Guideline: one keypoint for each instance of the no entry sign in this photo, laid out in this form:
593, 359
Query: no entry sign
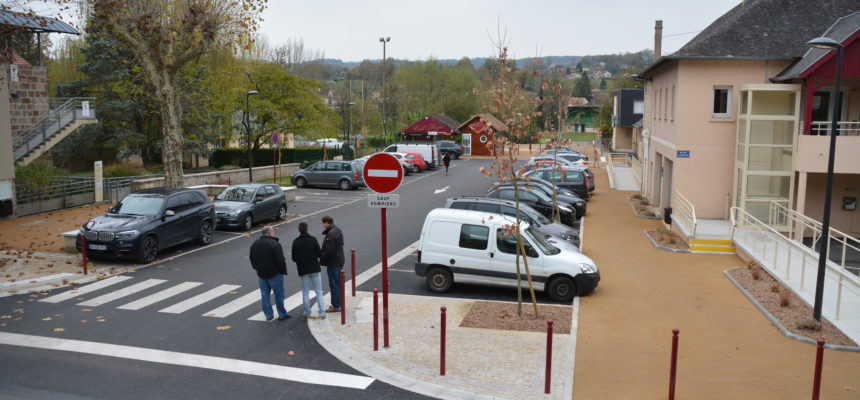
383, 173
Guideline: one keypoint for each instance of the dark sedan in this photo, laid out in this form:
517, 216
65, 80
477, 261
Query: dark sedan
240, 206
563, 195
536, 200
149, 220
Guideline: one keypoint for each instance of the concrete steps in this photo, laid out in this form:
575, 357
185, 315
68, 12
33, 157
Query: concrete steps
711, 246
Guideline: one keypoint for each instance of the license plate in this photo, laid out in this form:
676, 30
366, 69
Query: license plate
97, 247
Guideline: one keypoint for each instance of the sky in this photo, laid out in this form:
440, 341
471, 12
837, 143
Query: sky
350, 30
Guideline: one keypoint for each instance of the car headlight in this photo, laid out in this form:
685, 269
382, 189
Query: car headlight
580, 203
127, 234
234, 213
587, 268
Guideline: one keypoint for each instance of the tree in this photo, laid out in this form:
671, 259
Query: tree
583, 87
602, 84
166, 35
579, 67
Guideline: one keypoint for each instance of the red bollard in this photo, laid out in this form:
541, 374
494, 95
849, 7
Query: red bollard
548, 356
352, 275
375, 319
442, 343
673, 370
342, 297
84, 252
819, 361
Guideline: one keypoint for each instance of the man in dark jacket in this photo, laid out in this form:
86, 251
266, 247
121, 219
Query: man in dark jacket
447, 161
306, 254
332, 257
267, 258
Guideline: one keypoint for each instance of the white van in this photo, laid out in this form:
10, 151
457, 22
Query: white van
428, 150
473, 247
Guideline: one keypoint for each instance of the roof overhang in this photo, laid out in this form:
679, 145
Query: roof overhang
17, 22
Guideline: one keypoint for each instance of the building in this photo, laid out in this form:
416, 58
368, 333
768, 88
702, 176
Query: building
431, 127
581, 115
627, 109
478, 133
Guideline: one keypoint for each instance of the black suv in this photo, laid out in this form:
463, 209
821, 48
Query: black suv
148, 220
450, 147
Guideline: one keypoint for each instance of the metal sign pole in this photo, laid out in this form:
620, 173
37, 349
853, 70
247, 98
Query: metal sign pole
384, 277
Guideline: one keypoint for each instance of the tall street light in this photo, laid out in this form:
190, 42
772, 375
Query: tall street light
828, 44
384, 41
248, 131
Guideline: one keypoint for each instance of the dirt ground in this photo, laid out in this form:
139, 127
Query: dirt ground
503, 316
41, 232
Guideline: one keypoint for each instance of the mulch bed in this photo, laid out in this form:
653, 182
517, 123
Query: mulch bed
503, 316
669, 239
766, 290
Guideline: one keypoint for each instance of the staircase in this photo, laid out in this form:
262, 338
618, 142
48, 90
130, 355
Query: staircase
712, 236
715, 246
64, 117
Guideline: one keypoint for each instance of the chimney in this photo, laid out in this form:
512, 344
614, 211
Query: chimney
658, 38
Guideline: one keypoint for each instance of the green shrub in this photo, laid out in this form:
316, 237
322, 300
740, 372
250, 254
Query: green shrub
120, 170
263, 157
35, 177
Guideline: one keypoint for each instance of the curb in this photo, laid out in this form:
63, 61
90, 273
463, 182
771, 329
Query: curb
635, 214
664, 247
785, 332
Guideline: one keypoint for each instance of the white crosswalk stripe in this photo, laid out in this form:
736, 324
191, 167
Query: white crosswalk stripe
118, 294
85, 289
162, 295
235, 305
195, 301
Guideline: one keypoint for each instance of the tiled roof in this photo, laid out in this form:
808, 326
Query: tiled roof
494, 122
840, 31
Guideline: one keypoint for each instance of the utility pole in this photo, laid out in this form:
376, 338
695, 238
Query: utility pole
384, 41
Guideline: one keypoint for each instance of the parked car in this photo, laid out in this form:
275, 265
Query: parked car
150, 220
346, 175
572, 180
574, 157
428, 150
556, 148
418, 162
451, 147
509, 208
548, 159
406, 162
563, 195
588, 174
536, 200
460, 246
240, 206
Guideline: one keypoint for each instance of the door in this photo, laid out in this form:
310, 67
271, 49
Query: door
175, 228
331, 171
503, 262
314, 173
471, 262
467, 144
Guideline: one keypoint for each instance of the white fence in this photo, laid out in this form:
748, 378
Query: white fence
684, 212
843, 128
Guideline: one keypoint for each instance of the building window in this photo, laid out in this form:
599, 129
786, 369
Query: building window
638, 107
672, 109
659, 103
665, 103
722, 101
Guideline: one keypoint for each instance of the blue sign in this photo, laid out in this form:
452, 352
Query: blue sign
683, 154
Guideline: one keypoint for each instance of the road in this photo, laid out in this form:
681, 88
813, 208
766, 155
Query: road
189, 325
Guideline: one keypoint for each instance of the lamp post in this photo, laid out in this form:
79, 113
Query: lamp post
384, 41
248, 131
349, 147
828, 44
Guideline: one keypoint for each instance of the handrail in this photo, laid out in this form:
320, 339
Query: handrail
62, 112
798, 223
687, 212
845, 128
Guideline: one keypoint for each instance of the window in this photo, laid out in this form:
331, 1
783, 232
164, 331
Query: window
722, 101
270, 191
507, 194
486, 207
460, 205
173, 204
474, 236
512, 212
665, 102
659, 102
638, 107
508, 243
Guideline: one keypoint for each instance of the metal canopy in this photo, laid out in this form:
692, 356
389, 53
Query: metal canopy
33, 23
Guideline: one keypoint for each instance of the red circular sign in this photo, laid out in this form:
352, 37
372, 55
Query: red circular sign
383, 173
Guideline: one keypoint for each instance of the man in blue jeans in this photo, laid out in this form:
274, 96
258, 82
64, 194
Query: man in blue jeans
332, 257
267, 258
306, 254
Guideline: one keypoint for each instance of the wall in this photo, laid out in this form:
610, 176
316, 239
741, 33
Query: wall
32, 103
622, 138
813, 151
844, 185
234, 175
7, 166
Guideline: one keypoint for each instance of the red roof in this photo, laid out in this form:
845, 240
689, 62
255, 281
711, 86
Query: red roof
440, 123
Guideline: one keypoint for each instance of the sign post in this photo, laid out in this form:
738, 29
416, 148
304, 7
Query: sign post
383, 174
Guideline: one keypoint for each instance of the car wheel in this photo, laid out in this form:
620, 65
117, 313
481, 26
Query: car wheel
301, 182
440, 280
282, 212
456, 156
205, 233
248, 222
148, 250
561, 289
344, 184
415, 169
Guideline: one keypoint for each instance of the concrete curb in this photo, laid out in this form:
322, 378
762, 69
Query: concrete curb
778, 324
664, 247
635, 214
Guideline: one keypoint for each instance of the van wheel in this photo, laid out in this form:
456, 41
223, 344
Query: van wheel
301, 182
561, 289
440, 280
344, 184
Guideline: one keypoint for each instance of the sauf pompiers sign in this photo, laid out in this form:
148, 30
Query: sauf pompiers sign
383, 200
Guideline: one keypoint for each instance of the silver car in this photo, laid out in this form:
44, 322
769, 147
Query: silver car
240, 206
345, 175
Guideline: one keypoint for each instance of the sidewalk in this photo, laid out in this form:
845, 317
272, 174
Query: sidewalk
728, 349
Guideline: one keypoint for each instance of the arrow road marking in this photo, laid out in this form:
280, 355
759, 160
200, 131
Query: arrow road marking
437, 191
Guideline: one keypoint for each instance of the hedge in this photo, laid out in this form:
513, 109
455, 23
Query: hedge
263, 157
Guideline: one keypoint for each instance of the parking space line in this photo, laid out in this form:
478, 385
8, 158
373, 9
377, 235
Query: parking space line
118, 294
199, 299
162, 295
85, 289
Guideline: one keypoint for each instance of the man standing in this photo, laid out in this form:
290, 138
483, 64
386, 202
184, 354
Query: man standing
332, 257
267, 258
447, 161
306, 254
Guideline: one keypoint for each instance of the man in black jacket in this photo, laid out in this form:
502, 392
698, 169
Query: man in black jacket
306, 254
267, 258
332, 257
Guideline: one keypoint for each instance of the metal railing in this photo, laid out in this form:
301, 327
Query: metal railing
684, 212
843, 128
795, 265
62, 112
619, 158
72, 191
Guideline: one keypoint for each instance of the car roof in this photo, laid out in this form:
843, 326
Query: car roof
483, 199
163, 191
471, 216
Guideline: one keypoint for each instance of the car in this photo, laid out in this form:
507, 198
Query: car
536, 200
509, 208
588, 174
406, 162
428, 150
330, 143
473, 247
572, 156
345, 175
450, 147
562, 195
150, 220
556, 148
418, 162
569, 179
240, 206
548, 160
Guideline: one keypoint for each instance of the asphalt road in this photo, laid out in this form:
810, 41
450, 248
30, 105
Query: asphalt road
41, 371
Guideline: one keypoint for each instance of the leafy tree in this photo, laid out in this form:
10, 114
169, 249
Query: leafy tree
579, 67
603, 84
583, 87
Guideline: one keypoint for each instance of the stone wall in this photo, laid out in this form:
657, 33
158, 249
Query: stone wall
31, 102
221, 177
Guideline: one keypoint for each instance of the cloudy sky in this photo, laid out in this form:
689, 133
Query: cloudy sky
350, 29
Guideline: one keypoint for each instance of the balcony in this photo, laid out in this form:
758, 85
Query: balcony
812, 150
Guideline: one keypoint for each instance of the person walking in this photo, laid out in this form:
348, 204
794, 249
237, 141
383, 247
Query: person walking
446, 159
333, 259
306, 254
267, 258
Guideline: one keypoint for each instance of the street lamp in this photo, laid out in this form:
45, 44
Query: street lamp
248, 131
349, 148
384, 41
828, 44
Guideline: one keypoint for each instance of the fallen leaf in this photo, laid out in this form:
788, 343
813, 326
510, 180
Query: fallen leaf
6, 317
87, 310
83, 321
233, 293
46, 319
210, 315
58, 329
222, 328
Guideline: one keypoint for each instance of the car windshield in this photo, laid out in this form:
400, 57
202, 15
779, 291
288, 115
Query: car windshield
237, 193
540, 240
140, 205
